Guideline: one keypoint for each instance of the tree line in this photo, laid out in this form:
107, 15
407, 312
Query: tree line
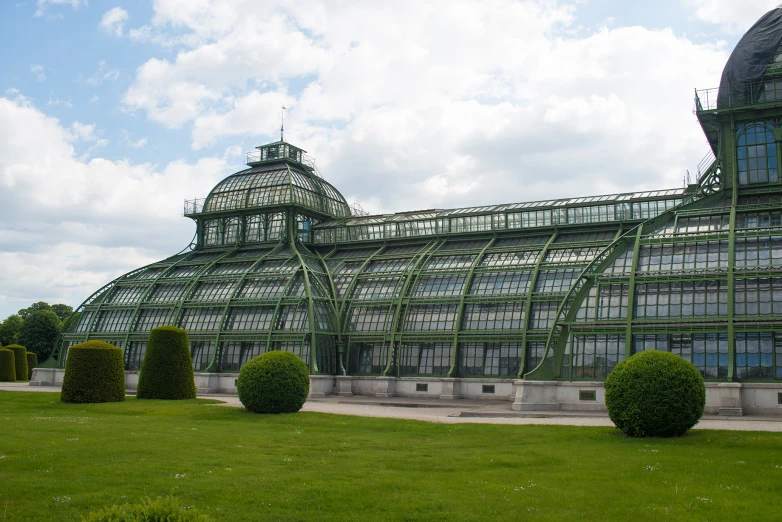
35, 327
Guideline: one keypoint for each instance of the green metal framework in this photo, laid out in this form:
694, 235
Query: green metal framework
560, 289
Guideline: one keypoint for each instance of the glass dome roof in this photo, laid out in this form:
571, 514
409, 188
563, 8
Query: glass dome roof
278, 183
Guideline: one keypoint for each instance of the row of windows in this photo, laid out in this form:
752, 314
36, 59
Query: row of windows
489, 359
258, 228
431, 285
512, 220
689, 299
572, 255
483, 359
439, 318
210, 290
252, 318
594, 356
368, 358
758, 356
686, 256
681, 300
424, 359
750, 253
233, 353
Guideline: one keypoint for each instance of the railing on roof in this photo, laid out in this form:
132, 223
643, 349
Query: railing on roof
741, 95
194, 206
259, 156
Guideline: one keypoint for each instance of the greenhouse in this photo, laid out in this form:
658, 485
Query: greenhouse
483, 298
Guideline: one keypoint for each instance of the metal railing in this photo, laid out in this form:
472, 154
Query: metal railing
253, 156
706, 163
740, 95
194, 206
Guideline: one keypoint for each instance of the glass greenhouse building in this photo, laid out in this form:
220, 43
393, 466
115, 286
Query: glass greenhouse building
553, 291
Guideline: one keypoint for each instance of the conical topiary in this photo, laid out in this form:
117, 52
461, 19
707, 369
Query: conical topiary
7, 366
167, 370
20, 360
32, 363
94, 372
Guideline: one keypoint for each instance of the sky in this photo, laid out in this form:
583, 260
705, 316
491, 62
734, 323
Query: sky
112, 112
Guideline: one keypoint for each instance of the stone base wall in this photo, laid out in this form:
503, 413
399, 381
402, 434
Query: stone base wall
727, 398
724, 398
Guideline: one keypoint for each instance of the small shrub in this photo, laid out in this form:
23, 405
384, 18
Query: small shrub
94, 372
655, 394
159, 510
275, 382
167, 370
7, 365
32, 363
20, 360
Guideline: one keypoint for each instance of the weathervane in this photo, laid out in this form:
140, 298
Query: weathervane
282, 124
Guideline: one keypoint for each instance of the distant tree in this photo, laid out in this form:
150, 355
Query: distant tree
63, 311
40, 305
39, 333
9, 329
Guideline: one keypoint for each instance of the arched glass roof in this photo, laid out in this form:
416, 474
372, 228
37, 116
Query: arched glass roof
276, 184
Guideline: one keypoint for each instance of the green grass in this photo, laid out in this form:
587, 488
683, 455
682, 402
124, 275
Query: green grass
59, 461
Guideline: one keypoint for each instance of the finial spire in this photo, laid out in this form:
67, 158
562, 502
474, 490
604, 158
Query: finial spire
282, 124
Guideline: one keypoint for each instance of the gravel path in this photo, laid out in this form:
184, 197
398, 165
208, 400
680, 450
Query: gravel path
463, 411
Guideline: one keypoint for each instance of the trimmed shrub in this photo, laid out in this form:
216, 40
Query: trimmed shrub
94, 372
20, 360
274, 382
32, 363
167, 370
148, 510
7, 365
655, 394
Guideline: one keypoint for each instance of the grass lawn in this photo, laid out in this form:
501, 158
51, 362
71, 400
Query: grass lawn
59, 461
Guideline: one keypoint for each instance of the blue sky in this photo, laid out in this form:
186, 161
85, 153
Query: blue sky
113, 112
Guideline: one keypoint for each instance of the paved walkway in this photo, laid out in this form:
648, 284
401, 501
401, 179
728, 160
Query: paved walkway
462, 411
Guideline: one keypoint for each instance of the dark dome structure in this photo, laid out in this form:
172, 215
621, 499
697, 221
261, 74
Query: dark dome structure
756, 53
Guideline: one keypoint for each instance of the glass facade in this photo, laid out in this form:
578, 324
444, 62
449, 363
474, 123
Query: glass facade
560, 289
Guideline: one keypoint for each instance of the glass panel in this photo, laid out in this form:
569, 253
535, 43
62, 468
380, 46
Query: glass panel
431, 317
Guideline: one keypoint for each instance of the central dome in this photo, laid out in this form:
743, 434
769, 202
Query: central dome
278, 176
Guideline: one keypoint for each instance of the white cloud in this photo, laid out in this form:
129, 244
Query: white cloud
55, 101
68, 225
138, 144
104, 73
406, 105
734, 17
248, 115
75, 4
113, 21
38, 71
420, 105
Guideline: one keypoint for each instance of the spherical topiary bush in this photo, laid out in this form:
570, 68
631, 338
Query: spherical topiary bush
7, 366
275, 382
167, 370
20, 360
94, 372
655, 394
32, 363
